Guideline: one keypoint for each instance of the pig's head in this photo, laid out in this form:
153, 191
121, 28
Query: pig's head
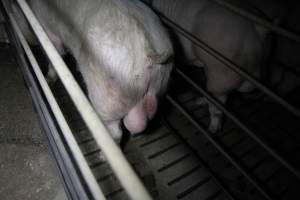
145, 108
126, 72
131, 97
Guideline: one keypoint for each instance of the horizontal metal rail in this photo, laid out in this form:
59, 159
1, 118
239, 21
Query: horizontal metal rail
198, 42
120, 166
219, 147
259, 20
75, 149
249, 132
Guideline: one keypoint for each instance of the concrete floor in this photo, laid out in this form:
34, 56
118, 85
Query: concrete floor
27, 169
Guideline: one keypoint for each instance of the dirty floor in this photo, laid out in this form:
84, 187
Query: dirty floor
27, 169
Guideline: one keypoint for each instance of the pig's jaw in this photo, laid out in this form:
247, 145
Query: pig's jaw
137, 118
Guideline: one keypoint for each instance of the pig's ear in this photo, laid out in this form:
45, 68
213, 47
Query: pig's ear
163, 58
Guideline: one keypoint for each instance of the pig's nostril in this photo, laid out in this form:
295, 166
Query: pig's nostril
123, 127
126, 135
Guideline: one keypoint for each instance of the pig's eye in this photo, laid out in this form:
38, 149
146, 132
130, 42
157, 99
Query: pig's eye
162, 59
168, 60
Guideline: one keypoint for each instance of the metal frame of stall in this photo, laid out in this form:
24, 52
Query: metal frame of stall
90, 188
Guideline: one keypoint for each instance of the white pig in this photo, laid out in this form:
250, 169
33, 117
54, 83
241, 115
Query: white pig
233, 36
123, 53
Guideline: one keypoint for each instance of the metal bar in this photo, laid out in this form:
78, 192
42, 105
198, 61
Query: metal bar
259, 20
218, 146
124, 172
195, 40
240, 124
72, 184
81, 162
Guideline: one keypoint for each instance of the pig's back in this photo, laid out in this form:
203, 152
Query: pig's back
64, 19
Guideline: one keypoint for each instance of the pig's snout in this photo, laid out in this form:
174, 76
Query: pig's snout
137, 118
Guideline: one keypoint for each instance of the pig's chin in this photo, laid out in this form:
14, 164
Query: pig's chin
137, 118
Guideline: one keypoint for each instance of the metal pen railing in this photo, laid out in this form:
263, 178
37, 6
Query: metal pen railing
209, 50
259, 20
82, 164
120, 166
198, 42
240, 124
217, 55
